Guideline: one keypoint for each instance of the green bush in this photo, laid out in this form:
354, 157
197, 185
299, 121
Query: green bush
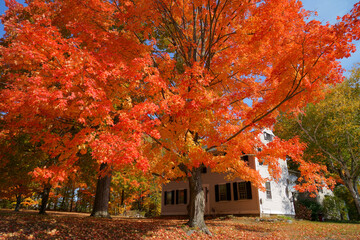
343, 193
315, 207
335, 209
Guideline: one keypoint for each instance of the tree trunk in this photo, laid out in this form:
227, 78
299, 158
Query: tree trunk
44, 200
122, 197
354, 193
18, 202
197, 202
101, 203
55, 203
72, 200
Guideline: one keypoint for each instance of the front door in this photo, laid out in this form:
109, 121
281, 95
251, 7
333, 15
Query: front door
206, 195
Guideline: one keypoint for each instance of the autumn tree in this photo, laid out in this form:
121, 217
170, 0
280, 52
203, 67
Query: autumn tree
331, 131
74, 76
197, 77
229, 67
18, 158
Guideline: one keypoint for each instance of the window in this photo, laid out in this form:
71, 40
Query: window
181, 196
268, 190
268, 136
204, 170
242, 190
169, 197
245, 158
261, 162
287, 188
223, 192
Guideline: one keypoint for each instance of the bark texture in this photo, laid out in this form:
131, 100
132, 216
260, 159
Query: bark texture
101, 202
44, 199
18, 202
197, 202
352, 186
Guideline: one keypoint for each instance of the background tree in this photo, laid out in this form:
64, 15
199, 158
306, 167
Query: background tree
19, 157
331, 130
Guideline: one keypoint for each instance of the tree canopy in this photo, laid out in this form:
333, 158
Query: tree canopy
164, 83
331, 130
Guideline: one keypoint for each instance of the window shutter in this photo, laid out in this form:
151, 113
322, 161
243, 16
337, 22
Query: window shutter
172, 197
228, 191
248, 190
177, 196
165, 195
236, 195
216, 193
185, 196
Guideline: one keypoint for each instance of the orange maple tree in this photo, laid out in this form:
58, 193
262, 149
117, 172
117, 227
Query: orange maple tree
229, 68
195, 77
74, 76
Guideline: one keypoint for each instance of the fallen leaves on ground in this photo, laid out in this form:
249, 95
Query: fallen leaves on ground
57, 225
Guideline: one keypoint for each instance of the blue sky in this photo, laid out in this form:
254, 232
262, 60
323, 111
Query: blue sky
327, 10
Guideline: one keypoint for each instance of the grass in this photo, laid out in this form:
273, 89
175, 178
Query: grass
58, 225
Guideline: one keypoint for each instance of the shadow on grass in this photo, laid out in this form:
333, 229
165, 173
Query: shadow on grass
30, 225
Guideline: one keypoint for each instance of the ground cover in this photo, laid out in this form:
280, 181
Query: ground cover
58, 225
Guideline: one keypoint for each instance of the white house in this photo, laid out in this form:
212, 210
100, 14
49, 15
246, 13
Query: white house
236, 196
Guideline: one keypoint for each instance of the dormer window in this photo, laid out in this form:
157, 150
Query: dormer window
268, 136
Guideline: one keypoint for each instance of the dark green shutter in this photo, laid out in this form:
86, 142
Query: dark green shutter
165, 194
172, 196
236, 195
216, 193
228, 191
177, 196
248, 190
185, 196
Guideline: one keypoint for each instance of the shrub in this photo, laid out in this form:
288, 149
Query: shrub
302, 212
335, 208
315, 208
343, 193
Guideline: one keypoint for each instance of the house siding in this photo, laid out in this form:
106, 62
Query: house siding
210, 179
280, 203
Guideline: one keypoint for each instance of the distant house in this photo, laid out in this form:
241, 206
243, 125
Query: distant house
234, 197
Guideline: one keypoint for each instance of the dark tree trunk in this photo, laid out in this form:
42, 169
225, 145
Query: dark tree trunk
122, 197
55, 203
18, 202
197, 202
44, 199
101, 203
72, 200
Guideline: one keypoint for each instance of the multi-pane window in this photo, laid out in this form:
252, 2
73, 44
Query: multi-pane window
223, 192
268, 136
242, 190
268, 190
169, 197
287, 188
181, 196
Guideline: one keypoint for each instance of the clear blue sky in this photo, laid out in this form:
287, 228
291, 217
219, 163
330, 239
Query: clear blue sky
327, 10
